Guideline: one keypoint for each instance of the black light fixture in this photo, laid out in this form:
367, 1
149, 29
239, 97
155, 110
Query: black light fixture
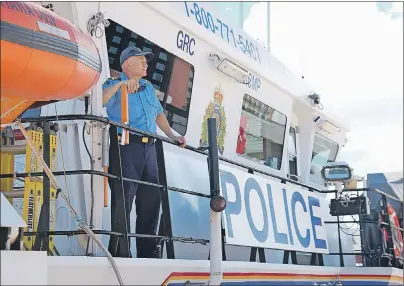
315, 100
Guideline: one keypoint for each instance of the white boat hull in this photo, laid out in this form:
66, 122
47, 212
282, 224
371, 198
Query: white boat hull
36, 268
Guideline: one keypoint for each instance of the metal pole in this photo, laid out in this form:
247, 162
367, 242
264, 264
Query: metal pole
46, 183
268, 43
14, 194
42, 237
96, 132
14, 149
339, 188
361, 232
217, 205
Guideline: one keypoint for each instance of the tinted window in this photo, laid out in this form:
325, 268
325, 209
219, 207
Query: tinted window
261, 133
171, 76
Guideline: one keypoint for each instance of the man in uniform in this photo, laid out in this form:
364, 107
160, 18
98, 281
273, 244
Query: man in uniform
138, 158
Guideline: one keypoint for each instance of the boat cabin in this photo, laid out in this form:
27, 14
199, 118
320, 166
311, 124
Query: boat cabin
269, 121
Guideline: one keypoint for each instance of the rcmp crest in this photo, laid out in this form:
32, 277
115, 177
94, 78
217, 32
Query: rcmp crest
215, 110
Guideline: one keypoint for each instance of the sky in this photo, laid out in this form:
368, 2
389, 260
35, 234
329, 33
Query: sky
352, 54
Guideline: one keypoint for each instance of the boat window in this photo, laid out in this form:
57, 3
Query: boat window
292, 153
171, 76
261, 133
324, 151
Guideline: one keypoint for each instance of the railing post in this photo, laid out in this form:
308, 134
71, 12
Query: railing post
361, 232
42, 237
165, 221
118, 246
217, 205
338, 191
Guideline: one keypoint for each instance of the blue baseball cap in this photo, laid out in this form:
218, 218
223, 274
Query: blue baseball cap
134, 51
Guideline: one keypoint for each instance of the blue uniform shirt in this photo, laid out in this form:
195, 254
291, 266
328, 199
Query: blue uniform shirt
144, 106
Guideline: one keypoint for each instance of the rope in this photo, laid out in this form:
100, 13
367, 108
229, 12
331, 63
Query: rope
80, 237
79, 220
94, 23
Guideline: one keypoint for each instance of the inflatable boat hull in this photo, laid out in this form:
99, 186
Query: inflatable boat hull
43, 58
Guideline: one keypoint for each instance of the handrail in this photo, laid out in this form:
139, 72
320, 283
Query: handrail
125, 113
51, 178
114, 233
388, 251
162, 138
99, 173
365, 190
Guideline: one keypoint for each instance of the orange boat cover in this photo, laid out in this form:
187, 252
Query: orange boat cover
43, 57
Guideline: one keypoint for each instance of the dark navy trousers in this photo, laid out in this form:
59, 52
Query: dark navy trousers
139, 162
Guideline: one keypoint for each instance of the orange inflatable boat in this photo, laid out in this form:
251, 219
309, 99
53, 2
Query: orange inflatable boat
43, 58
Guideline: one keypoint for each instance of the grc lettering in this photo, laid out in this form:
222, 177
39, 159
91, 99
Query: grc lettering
185, 42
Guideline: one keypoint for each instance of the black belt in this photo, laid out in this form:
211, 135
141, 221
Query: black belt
139, 138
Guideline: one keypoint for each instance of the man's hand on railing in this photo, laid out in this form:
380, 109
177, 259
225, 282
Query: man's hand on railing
180, 139
162, 123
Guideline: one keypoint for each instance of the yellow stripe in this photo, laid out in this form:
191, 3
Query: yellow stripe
306, 277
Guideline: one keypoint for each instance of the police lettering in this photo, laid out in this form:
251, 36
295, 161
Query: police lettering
185, 42
274, 213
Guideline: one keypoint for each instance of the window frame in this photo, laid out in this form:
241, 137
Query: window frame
128, 36
294, 140
312, 151
254, 159
295, 155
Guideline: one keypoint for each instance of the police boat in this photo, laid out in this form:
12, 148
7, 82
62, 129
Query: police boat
257, 197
